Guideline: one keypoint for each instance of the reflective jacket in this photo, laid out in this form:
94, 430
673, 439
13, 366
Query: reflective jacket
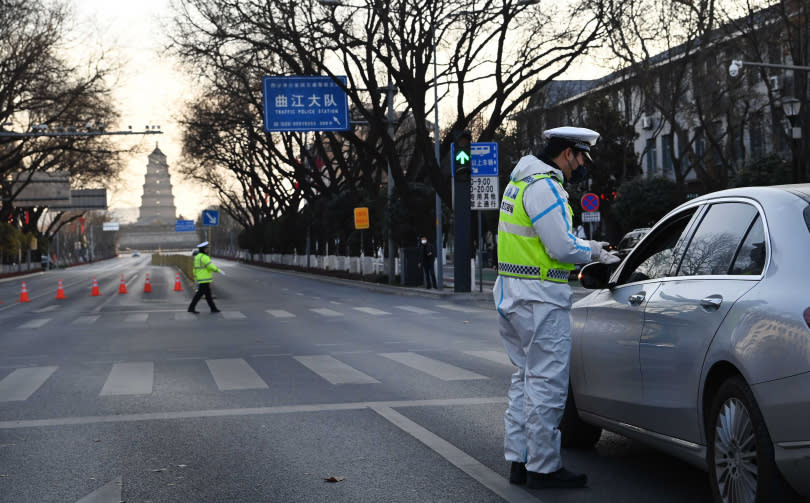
521, 252
203, 268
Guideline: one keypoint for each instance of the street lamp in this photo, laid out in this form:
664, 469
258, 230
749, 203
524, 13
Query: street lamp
436, 149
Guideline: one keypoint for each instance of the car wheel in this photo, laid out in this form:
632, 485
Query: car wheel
739, 450
575, 432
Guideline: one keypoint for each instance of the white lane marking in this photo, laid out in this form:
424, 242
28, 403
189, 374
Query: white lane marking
233, 315
22, 383
35, 323
417, 310
371, 310
460, 459
334, 370
234, 373
336, 302
241, 412
129, 378
109, 493
134, 318
493, 356
462, 309
326, 312
46, 309
280, 313
435, 368
85, 320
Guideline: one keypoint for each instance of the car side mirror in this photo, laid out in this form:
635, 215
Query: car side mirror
595, 275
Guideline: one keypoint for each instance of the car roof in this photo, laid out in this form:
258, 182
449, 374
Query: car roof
800, 189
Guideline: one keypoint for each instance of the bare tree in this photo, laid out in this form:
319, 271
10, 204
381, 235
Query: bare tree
493, 55
39, 86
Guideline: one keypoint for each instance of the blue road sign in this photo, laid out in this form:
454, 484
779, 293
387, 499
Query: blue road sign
590, 202
210, 217
484, 159
184, 226
304, 104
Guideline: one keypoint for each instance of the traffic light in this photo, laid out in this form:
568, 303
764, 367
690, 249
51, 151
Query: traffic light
462, 158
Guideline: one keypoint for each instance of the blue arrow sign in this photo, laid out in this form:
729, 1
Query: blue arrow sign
210, 217
305, 104
184, 226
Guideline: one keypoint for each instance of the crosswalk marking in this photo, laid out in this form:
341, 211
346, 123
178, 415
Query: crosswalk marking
35, 323
326, 312
371, 310
493, 356
435, 368
233, 374
139, 317
233, 315
130, 378
85, 320
22, 383
280, 313
462, 309
417, 310
335, 371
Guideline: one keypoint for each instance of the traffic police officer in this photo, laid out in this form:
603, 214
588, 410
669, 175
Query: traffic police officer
537, 251
203, 275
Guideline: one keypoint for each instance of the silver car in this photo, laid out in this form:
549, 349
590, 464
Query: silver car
699, 343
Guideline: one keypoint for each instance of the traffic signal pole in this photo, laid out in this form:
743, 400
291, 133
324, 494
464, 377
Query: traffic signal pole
461, 207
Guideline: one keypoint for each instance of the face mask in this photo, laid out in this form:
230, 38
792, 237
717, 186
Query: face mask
579, 174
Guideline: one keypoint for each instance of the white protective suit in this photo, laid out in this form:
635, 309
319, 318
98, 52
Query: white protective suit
534, 323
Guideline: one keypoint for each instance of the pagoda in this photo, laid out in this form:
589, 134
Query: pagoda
157, 202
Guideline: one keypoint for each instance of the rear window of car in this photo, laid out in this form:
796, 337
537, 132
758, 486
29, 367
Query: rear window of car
750, 258
715, 243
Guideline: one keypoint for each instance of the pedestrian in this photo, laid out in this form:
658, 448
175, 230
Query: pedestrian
536, 252
427, 256
203, 275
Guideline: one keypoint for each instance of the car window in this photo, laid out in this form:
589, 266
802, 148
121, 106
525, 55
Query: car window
714, 243
655, 258
750, 258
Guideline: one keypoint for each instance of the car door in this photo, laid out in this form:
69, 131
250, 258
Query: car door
607, 340
683, 314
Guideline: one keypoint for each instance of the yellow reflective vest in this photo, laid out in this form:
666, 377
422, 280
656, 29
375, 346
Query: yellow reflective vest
521, 253
204, 269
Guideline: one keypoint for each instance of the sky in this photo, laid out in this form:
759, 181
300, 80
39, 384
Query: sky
150, 91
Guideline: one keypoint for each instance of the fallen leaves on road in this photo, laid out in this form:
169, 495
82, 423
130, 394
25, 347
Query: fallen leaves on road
156, 470
334, 479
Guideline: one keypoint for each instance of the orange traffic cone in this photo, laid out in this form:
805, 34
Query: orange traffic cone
177, 286
24, 293
147, 287
123, 287
60, 292
94, 292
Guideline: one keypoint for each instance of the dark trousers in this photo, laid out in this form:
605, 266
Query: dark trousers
203, 289
430, 275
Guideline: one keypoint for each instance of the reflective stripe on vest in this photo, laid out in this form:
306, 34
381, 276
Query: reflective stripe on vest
201, 272
521, 253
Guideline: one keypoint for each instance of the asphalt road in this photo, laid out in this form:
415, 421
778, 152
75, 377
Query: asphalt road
399, 398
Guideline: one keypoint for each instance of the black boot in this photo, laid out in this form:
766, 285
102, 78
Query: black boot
517, 474
562, 479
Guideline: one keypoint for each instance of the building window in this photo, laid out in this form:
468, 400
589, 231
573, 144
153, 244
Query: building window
755, 136
667, 151
700, 148
652, 154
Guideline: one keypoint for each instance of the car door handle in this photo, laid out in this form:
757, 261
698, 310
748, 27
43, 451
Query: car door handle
637, 298
712, 301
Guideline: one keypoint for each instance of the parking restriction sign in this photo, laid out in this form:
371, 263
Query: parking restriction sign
590, 202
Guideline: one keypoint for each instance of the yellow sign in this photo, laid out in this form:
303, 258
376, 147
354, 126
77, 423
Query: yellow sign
361, 218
